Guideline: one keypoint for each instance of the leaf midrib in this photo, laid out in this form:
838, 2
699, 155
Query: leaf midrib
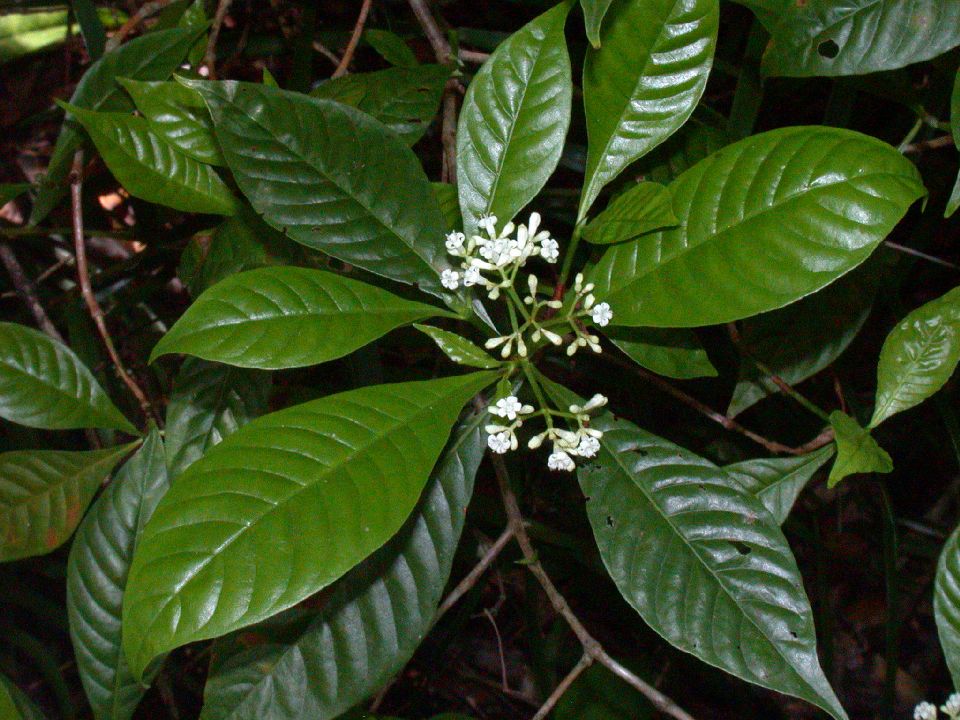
17, 370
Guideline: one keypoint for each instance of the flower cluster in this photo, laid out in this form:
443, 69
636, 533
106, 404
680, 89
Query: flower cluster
567, 444
928, 711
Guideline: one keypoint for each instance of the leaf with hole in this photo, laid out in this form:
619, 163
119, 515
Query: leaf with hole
701, 559
329, 177
316, 667
283, 317
644, 81
459, 349
857, 451
97, 574
44, 493
514, 120
918, 356
672, 352
43, 384
946, 603
284, 507
640, 209
791, 209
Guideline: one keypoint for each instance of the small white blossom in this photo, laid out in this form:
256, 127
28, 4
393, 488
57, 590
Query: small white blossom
499, 443
455, 242
925, 711
471, 276
559, 460
550, 250
602, 314
509, 407
593, 403
450, 279
588, 447
952, 706
489, 223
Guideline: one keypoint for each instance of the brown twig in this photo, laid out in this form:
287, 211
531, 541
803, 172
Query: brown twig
474, 56
27, 292
354, 40
210, 54
145, 11
591, 646
475, 574
584, 662
86, 290
934, 144
326, 52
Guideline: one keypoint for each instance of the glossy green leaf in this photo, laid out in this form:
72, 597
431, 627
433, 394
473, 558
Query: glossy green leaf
44, 384
946, 603
689, 145
97, 575
822, 326
330, 178
375, 618
459, 349
16, 703
643, 83
7, 708
25, 33
857, 451
391, 47
11, 191
918, 356
593, 13
209, 402
514, 120
43, 494
151, 57
178, 115
641, 209
152, 169
855, 37
446, 195
733, 596
675, 353
777, 482
954, 201
282, 317
791, 209
282, 508
404, 99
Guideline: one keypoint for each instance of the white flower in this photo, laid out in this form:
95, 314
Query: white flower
559, 460
602, 314
489, 223
588, 447
450, 279
471, 276
595, 402
952, 706
925, 711
500, 442
550, 250
509, 407
455, 242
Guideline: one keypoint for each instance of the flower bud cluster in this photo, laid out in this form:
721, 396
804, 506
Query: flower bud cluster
928, 711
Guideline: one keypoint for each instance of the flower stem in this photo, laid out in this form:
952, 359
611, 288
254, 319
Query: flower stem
571, 252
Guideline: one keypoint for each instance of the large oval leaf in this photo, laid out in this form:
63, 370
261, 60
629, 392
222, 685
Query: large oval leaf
918, 356
151, 57
640, 209
675, 353
643, 82
514, 120
282, 317
733, 595
376, 617
282, 508
43, 494
331, 178
946, 603
854, 37
97, 574
44, 384
763, 222
210, 401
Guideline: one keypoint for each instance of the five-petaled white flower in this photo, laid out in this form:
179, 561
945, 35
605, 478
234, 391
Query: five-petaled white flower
559, 460
952, 706
550, 250
602, 314
471, 276
509, 407
588, 447
450, 279
499, 443
455, 242
925, 711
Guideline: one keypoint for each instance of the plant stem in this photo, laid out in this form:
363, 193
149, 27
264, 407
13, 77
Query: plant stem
568, 258
210, 54
584, 662
354, 40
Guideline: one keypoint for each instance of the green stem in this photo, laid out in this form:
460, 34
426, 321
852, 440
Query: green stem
571, 252
809, 405
537, 392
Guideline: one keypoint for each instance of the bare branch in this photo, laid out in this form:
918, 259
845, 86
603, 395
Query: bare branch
584, 662
934, 144
465, 585
210, 55
145, 11
27, 292
354, 40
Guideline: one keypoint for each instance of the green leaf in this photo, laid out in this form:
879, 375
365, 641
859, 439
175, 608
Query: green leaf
641, 209
209, 402
283, 317
954, 202
359, 194
689, 145
593, 12
152, 169
946, 603
791, 209
644, 82
918, 356
826, 37
459, 349
675, 353
375, 618
97, 575
391, 47
150, 57
733, 596
446, 195
403, 99
43, 494
91, 26
282, 508
822, 326
777, 482
25, 33
178, 115
857, 451
514, 120
12, 697
44, 384
11, 191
